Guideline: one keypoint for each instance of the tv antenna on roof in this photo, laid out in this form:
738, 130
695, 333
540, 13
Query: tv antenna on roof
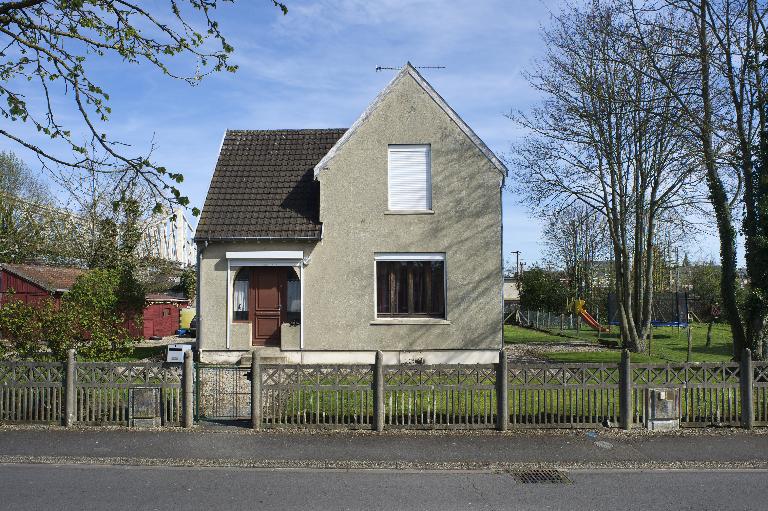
385, 68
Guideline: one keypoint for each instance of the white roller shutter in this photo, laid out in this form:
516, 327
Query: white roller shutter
410, 178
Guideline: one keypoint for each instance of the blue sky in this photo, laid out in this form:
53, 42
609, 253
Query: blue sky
315, 68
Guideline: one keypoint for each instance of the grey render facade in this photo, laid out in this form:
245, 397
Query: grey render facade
353, 273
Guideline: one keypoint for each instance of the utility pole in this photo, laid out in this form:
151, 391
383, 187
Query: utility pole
517, 262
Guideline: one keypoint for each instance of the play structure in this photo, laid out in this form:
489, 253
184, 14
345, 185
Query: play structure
578, 307
668, 309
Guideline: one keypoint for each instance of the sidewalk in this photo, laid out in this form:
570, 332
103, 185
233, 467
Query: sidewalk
729, 449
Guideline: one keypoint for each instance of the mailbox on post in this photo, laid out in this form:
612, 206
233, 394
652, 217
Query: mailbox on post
175, 353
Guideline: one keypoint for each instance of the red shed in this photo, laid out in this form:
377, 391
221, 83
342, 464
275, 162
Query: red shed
33, 283
161, 315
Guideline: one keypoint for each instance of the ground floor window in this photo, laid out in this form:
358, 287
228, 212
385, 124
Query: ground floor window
293, 296
410, 288
240, 294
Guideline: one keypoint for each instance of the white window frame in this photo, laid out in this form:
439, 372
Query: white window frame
237, 260
409, 257
428, 206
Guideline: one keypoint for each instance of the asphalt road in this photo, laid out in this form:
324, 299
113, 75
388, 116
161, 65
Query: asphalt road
83, 487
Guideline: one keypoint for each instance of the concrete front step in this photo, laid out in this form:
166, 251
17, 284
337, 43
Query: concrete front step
266, 356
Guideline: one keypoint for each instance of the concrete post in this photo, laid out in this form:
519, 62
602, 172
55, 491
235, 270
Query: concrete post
378, 392
187, 387
69, 391
747, 402
625, 391
256, 409
502, 393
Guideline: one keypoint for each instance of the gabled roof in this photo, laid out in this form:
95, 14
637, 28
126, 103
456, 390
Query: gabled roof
409, 70
51, 278
263, 185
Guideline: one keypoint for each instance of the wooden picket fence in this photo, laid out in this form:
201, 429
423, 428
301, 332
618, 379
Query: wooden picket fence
377, 396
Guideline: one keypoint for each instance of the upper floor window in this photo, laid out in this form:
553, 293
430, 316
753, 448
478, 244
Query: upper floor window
410, 178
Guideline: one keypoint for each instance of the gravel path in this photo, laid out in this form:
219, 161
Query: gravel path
534, 351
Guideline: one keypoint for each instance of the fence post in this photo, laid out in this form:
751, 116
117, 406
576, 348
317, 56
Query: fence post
378, 392
188, 396
502, 393
625, 391
747, 403
69, 390
256, 409
562, 318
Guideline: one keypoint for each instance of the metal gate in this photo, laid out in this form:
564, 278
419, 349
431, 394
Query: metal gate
222, 392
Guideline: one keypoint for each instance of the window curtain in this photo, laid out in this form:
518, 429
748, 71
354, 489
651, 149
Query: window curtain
241, 294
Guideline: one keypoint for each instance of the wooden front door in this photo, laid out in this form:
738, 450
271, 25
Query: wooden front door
267, 292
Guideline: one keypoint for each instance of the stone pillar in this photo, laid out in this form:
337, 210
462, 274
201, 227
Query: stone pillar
70, 399
502, 393
378, 392
188, 393
256, 411
747, 402
625, 391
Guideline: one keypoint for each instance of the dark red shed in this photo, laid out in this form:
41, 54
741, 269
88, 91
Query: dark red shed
161, 315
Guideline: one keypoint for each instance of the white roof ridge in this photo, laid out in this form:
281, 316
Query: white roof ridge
436, 97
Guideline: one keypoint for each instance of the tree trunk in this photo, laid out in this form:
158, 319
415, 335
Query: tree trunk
718, 196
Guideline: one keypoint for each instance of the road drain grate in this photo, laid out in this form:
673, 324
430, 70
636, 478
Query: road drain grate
534, 476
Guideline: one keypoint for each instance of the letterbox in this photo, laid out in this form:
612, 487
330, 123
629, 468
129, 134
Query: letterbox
175, 352
663, 410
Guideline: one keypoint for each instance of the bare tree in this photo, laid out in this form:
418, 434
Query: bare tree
723, 47
576, 238
609, 138
45, 50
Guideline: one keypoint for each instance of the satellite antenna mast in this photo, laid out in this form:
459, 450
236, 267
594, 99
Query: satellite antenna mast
386, 68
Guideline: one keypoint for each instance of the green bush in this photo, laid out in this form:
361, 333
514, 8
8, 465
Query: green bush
542, 289
93, 319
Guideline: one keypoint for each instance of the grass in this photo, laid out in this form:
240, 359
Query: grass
668, 344
154, 353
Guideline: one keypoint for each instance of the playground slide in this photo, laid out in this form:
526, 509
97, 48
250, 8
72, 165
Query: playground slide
588, 319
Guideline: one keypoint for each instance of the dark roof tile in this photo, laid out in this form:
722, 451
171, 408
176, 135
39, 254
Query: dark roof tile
263, 185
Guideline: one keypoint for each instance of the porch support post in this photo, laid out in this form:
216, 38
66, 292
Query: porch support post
378, 392
256, 409
502, 392
188, 394
69, 390
228, 302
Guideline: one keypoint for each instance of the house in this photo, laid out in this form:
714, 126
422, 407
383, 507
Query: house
34, 283
326, 245
511, 293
